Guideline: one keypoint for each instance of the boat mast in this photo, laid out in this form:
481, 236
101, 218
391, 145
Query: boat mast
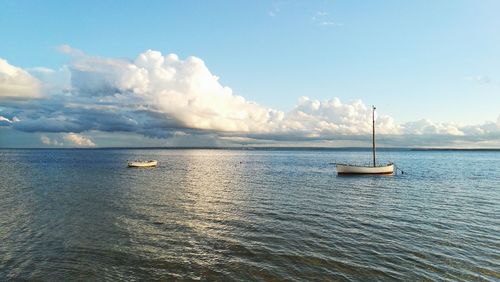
373, 133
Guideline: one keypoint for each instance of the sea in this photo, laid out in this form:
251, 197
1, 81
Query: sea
248, 215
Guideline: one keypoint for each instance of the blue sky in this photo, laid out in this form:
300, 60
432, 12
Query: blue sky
434, 60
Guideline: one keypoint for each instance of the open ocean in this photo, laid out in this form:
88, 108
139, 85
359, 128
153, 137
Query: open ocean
256, 215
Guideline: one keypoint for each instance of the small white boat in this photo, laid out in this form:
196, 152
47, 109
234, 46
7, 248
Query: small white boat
358, 169
150, 163
343, 169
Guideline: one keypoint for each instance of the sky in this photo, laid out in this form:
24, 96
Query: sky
249, 73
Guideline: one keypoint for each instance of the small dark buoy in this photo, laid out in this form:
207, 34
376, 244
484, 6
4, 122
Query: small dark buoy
397, 168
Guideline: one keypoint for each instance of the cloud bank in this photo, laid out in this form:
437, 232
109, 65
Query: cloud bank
163, 96
79, 140
68, 139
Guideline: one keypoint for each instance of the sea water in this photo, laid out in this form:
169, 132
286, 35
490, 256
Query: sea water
248, 215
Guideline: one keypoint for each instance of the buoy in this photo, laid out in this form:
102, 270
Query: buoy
402, 172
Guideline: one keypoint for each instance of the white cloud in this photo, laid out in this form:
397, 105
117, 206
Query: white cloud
5, 121
184, 90
317, 118
52, 142
163, 96
323, 18
484, 79
42, 70
274, 11
331, 23
319, 15
68, 50
181, 133
16, 83
425, 126
45, 140
79, 140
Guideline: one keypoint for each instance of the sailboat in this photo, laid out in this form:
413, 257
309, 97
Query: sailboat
363, 169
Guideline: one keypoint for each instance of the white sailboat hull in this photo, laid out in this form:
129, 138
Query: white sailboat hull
355, 169
143, 164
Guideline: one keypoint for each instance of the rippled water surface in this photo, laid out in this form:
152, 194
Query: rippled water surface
247, 215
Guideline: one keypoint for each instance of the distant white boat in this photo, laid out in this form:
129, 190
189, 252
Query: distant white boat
150, 163
343, 169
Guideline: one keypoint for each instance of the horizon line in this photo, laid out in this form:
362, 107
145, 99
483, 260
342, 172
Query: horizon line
263, 148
